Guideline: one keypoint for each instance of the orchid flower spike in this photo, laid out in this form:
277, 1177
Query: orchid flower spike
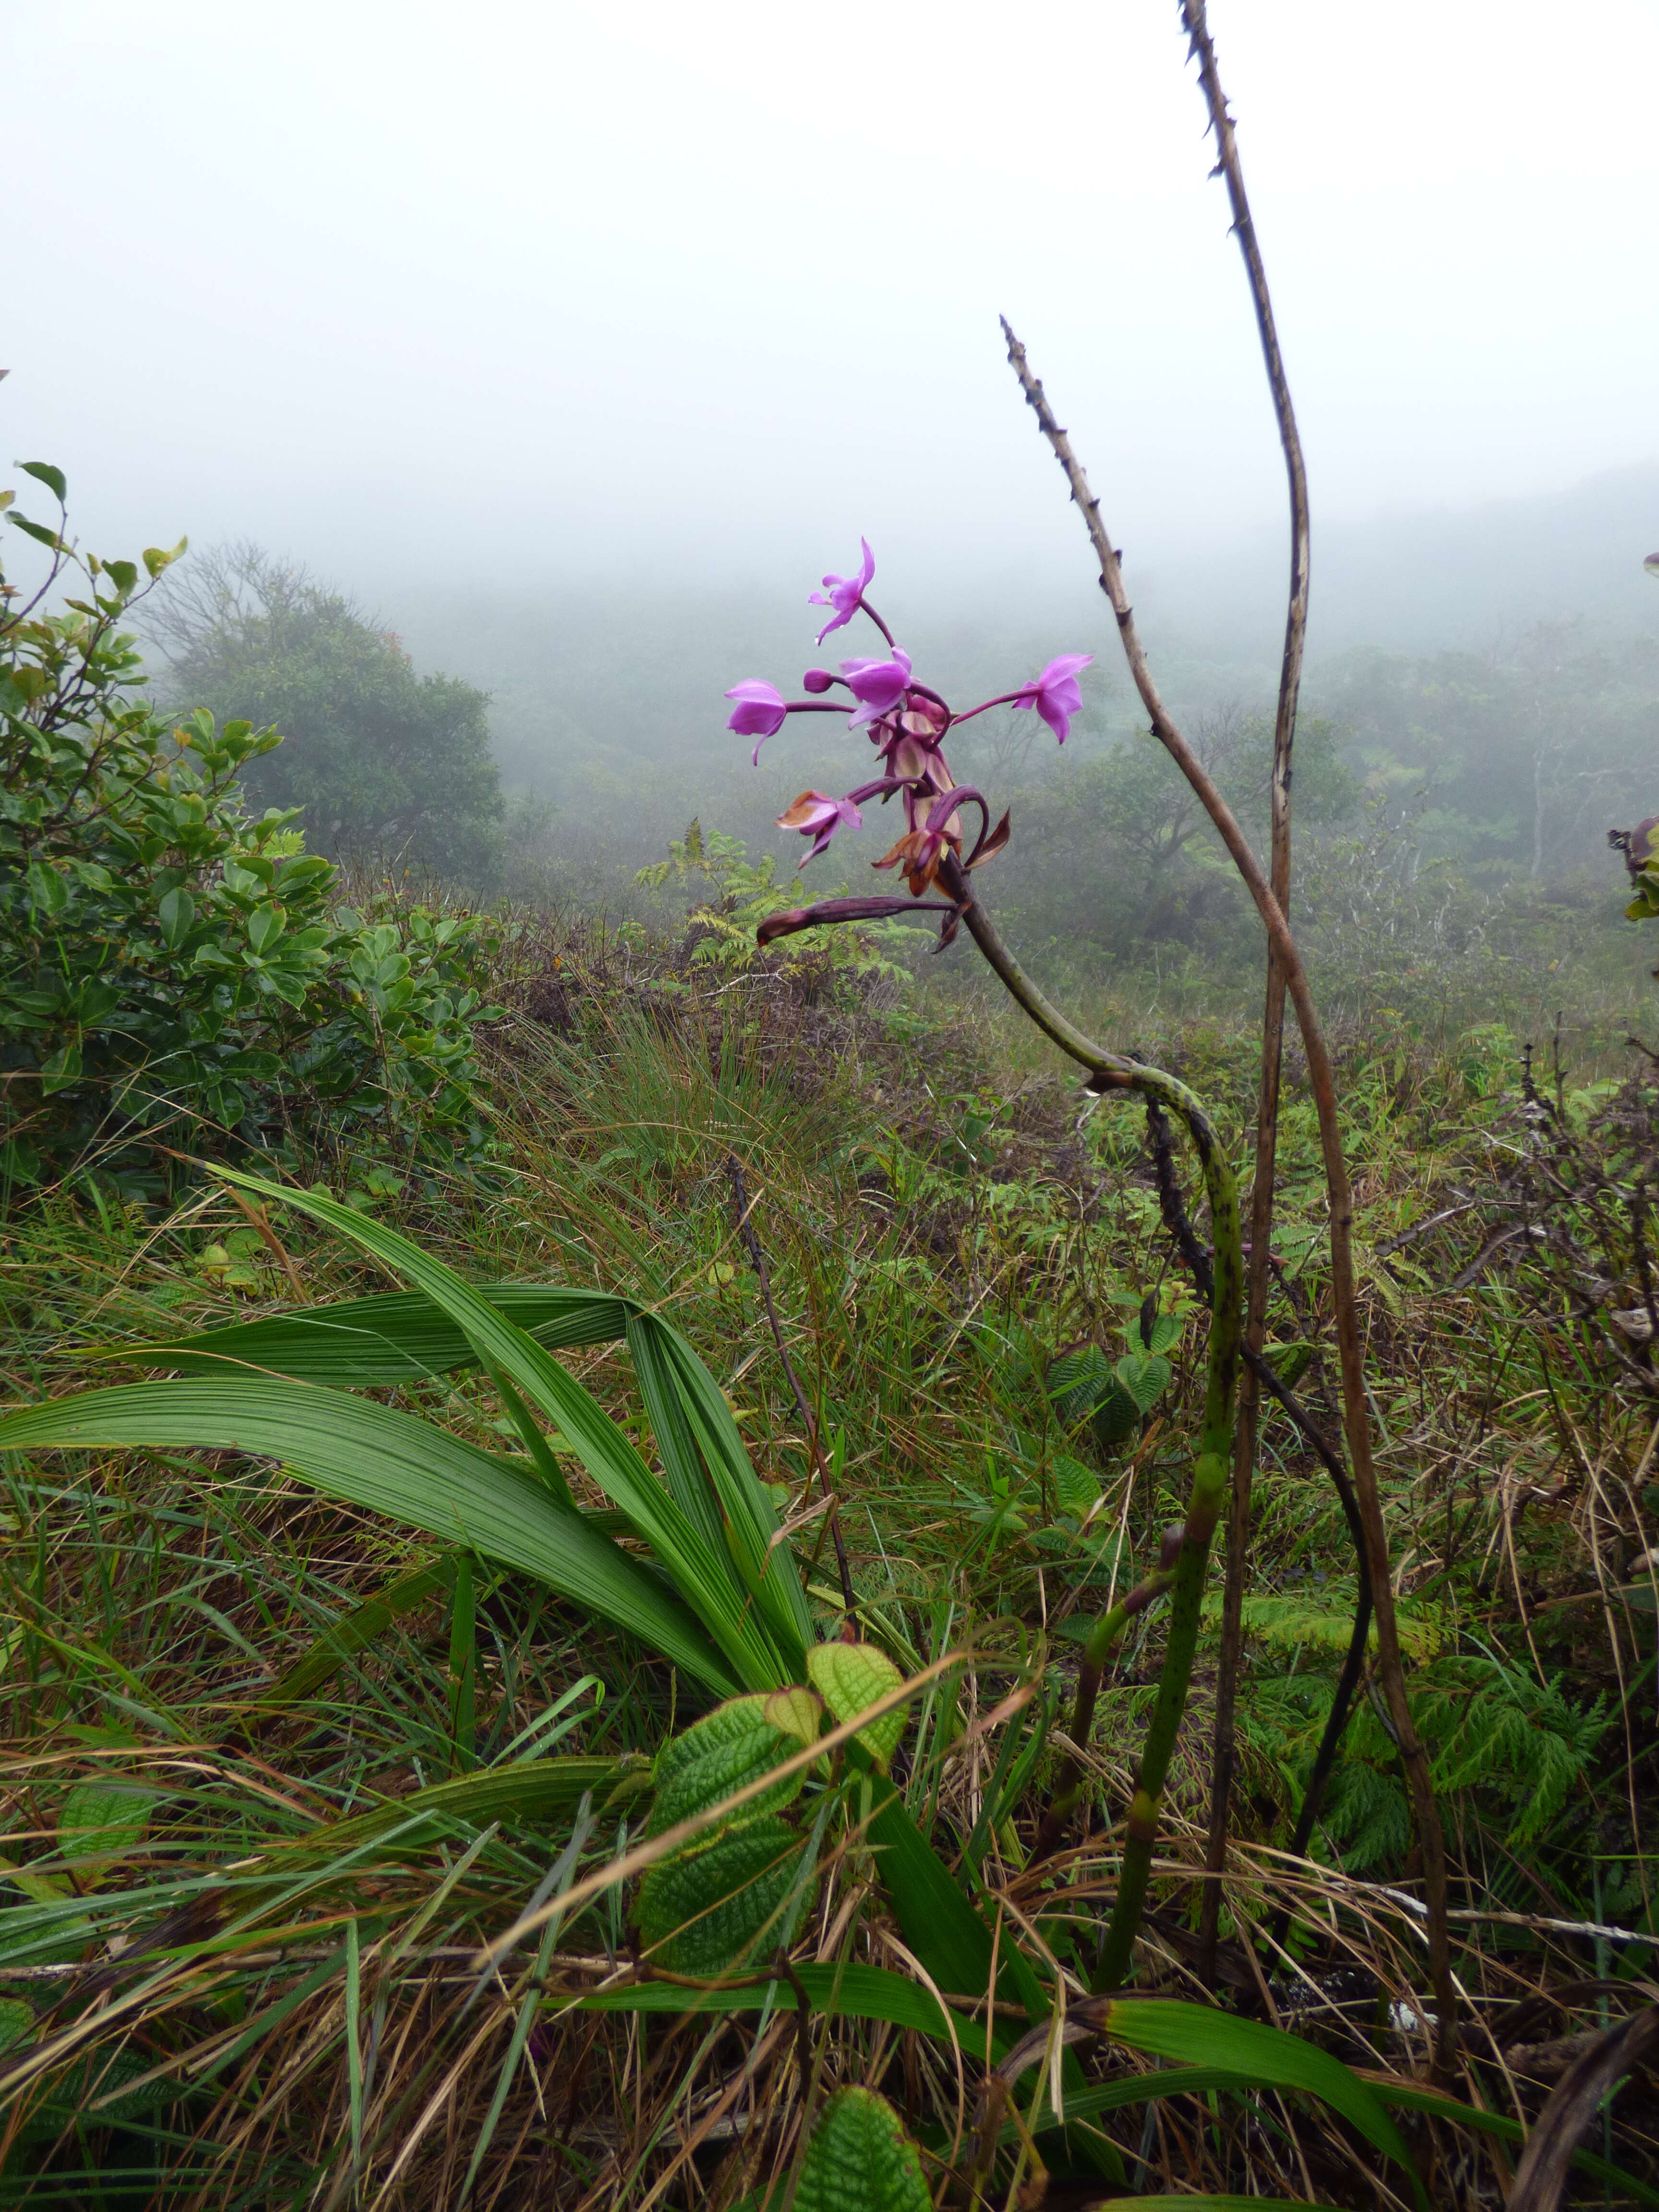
819, 816
877, 685
1056, 694
759, 713
843, 593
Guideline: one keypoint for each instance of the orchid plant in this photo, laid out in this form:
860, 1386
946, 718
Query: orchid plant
907, 723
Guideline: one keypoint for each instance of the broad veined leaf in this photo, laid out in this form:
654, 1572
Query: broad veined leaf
716, 1907
1077, 1488
1145, 1377
1078, 1381
705, 1578
46, 473
850, 1678
103, 1819
1166, 1332
394, 1463
176, 912
265, 927
859, 2160
49, 892
798, 1712
734, 1745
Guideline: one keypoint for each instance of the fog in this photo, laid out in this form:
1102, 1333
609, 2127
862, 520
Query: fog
454, 304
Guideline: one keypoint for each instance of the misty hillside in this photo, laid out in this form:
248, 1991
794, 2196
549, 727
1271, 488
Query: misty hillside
609, 705
1423, 580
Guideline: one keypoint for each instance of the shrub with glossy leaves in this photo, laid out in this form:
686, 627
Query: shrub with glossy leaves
170, 963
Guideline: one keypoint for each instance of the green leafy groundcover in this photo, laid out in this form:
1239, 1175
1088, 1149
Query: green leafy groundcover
172, 959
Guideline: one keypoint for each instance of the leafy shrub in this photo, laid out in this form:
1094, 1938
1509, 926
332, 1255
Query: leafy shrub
721, 928
168, 961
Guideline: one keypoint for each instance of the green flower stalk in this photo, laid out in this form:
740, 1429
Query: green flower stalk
910, 720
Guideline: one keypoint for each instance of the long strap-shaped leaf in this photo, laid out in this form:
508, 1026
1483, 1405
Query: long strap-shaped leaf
394, 1338
704, 1576
749, 1523
401, 1337
1199, 2035
395, 1464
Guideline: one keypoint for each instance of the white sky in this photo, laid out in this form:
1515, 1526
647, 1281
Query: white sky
518, 289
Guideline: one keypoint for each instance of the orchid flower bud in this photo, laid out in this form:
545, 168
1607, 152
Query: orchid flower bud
816, 679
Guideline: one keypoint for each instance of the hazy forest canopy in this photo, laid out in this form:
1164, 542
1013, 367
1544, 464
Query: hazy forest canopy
385, 763
965, 1524
1471, 776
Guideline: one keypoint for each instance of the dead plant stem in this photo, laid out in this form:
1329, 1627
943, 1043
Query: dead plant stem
1321, 1081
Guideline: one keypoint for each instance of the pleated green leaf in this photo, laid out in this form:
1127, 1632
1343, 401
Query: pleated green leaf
682, 1463
535, 1791
705, 1577
386, 1341
750, 1516
393, 1463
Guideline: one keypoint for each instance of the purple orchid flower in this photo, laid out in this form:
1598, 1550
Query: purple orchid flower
819, 816
877, 685
843, 593
759, 713
1056, 694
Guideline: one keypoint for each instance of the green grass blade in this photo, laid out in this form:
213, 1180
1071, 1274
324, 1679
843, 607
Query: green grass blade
939, 1923
851, 1992
463, 1668
393, 1338
355, 2042
557, 1883
393, 1463
706, 1578
1409, 2098
1265, 2056
359, 1629
537, 1448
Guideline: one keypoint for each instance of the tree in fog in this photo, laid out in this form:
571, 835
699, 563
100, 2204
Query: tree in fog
387, 763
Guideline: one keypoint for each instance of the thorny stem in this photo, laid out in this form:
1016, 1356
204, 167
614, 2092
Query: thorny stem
1273, 1020
1110, 1071
1321, 1081
752, 1246
1265, 1374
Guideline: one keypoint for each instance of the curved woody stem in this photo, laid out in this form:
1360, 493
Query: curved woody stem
1322, 1083
1110, 1071
1228, 165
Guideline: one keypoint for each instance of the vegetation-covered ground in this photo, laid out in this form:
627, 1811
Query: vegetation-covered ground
263, 1745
